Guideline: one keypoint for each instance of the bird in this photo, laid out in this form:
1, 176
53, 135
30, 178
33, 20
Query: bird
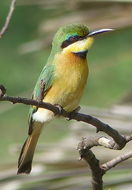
61, 82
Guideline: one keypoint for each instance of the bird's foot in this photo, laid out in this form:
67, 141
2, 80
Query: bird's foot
71, 114
2, 90
60, 109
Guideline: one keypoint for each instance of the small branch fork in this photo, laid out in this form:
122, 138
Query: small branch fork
116, 142
8, 18
99, 170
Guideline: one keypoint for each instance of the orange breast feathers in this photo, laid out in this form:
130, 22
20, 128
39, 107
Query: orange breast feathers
71, 74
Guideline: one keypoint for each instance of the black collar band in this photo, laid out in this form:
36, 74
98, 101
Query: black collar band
81, 54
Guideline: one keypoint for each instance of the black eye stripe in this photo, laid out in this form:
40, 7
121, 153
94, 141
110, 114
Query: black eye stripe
71, 40
65, 43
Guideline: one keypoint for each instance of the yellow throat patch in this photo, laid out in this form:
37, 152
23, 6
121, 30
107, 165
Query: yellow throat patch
79, 46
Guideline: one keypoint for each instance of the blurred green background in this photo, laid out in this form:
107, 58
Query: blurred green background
24, 50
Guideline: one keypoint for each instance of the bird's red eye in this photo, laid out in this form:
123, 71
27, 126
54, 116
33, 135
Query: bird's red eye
73, 38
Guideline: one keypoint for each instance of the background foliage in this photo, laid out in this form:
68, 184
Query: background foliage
24, 50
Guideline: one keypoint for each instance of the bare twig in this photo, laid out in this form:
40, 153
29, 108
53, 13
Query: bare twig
98, 170
119, 141
101, 141
112, 163
86, 154
128, 138
8, 18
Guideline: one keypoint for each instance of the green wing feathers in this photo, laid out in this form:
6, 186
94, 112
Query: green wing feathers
44, 82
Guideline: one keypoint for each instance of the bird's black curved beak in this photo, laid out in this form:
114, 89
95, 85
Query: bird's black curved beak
100, 31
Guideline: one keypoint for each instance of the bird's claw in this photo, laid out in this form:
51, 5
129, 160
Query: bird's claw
71, 114
2, 90
60, 108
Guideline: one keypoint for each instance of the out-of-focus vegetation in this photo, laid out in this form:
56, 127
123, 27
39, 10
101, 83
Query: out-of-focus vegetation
24, 50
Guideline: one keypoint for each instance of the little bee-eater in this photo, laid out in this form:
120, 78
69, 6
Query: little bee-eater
61, 82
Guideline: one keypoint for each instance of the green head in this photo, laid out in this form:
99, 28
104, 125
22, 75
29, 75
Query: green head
68, 34
75, 38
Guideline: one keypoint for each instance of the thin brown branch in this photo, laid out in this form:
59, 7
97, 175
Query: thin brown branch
87, 155
93, 162
119, 141
128, 138
98, 170
101, 141
8, 18
112, 163
100, 126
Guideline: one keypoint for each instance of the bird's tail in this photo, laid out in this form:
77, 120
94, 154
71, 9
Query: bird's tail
27, 152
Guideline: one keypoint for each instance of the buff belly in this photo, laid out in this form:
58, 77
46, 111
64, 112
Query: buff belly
70, 79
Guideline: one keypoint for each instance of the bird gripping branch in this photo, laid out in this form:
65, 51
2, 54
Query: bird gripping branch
61, 82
